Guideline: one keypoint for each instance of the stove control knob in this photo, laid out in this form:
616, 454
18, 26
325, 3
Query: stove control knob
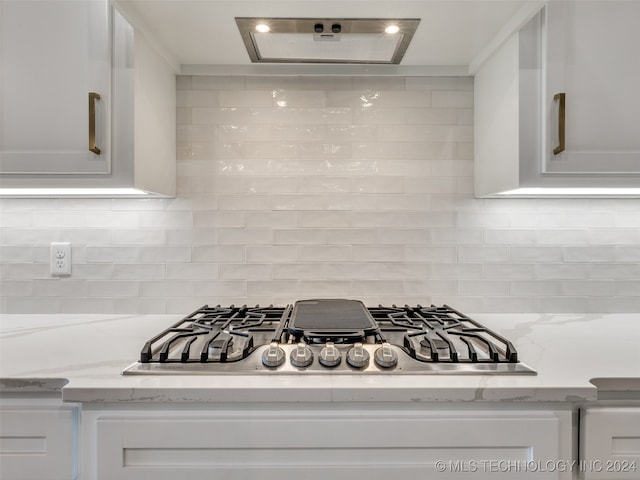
385, 356
301, 356
357, 356
330, 356
273, 356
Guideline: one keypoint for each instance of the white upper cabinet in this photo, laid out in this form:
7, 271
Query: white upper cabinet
55, 63
557, 105
592, 58
88, 106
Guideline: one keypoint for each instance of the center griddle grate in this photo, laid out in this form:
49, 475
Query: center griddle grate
328, 315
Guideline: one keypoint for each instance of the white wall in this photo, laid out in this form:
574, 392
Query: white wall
324, 187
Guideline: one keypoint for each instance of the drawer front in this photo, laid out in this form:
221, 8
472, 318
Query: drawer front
434, 445
610, 443
38, 443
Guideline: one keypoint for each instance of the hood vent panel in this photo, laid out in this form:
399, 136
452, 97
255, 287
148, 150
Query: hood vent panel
312, 40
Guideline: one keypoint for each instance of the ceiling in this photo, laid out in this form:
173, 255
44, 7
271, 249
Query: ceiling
204, 32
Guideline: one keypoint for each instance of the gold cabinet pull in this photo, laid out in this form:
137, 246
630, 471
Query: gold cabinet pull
560, 97
92, 122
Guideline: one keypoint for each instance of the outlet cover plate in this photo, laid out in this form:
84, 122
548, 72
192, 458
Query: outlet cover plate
60, 259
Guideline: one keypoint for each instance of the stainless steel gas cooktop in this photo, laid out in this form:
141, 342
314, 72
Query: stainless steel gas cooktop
327, 336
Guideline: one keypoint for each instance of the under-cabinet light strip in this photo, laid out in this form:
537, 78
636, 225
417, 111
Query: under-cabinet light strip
64, 192
566, 191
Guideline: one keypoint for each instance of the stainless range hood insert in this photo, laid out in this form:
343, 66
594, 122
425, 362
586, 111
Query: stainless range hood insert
339, 40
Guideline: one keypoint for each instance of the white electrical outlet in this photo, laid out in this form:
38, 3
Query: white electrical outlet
60, 259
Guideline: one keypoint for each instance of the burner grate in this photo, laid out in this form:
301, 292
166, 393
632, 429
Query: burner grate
215, 334
442, 334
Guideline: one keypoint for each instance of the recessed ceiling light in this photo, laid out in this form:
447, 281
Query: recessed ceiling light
262, 28
392, 29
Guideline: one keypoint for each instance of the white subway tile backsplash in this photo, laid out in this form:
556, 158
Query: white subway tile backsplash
620, 271
243, 271
501, 236
197, 98
109, 254
321, 253
218, 253
16, 254
325, 289
295, 236
582, 254
284, 98
509, 304
84, 305
211, 83
267, 289
261, 219
589, 288
292, 187
377, 83
433, 83
113, 288
562, 237
139, 272
56, 287
614, 236
537, 254
431, 253
613, 304
271, 254
627, 288
406, 236
509, 271
547, 304
196, 236
536, 288
192, 271
246, 98
167, 288
377, 287
381, 253
448, 236
218, 219
459, 99
226, 288
114, 219
562, 271
450, 271
483, 253
422, 288
151, 236
625, 253
298, 271
490, 288
16, 288
16, 219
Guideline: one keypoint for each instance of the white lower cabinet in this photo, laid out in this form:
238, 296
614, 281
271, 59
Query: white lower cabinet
314, 442
38, 439
610, 442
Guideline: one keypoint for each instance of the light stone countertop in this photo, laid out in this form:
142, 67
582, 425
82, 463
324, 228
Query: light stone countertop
83, 356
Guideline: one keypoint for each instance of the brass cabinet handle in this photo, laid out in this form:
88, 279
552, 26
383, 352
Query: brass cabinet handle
92, 122
560, 97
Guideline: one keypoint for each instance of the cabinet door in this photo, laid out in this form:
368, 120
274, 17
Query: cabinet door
592, 57
53, 54
38, 443
610, 443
